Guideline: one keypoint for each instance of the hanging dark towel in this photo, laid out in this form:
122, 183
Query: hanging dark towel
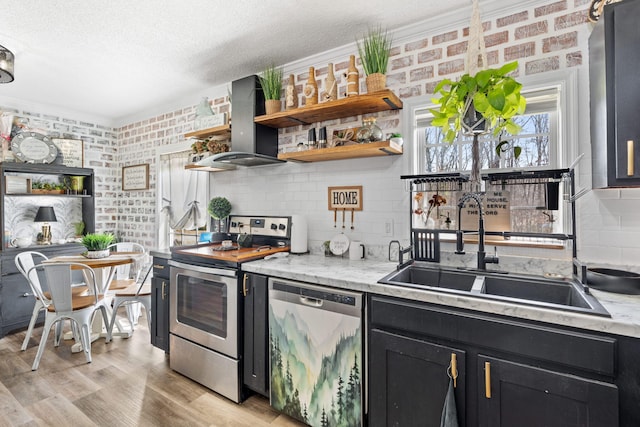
449, 416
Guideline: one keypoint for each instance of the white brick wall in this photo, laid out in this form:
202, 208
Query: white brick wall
543, 36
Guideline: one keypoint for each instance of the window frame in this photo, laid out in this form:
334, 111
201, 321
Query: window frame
565, 148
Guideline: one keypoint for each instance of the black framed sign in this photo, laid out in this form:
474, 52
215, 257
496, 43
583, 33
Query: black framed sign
135, 177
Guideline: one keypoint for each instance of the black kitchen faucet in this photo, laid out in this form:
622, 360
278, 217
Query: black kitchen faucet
483, 258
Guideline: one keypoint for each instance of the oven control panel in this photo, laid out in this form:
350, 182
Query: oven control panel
269, 226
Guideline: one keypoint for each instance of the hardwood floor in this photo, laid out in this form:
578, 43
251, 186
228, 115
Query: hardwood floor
128, 383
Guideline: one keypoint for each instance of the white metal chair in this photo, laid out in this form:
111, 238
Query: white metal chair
24, 262
63, 305
127, 275
139, 292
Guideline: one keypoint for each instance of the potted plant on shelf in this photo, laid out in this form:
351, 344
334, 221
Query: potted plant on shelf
475, 104
271, 82
219, 208
374, 50
97, 244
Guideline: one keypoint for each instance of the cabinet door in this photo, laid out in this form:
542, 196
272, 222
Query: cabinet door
254, 289
16, 303
522, 395
160, 313
408, 381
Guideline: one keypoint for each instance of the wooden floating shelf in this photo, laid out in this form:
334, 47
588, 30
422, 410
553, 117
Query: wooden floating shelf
383, 100
205, 133
372, 149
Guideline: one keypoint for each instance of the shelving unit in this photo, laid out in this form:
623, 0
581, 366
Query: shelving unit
205, 133
376, 102
16, 302
372, 149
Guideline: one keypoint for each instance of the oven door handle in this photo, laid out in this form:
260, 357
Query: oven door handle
206, 270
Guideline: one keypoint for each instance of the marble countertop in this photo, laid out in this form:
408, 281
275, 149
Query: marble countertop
363, 275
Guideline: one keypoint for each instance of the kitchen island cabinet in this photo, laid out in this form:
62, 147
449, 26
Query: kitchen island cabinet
160, 303
255, 347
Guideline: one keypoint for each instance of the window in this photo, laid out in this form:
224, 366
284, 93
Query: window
538, 139
182, 200
545, 144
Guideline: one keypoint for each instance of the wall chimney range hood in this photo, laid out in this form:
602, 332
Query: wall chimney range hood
252, 144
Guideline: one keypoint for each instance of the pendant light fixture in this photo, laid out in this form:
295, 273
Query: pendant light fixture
6, 65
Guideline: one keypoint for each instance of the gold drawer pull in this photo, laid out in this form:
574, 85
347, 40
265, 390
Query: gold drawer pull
630, 168
487, 380
158, 266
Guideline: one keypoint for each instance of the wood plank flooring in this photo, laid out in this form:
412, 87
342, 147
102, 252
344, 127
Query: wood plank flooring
128, 383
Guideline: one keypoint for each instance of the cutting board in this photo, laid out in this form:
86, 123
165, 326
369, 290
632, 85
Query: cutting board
236, 255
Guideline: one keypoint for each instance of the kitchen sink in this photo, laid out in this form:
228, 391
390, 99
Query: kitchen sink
555, 294
422, 277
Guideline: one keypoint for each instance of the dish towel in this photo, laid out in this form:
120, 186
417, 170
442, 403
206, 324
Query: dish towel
449, 416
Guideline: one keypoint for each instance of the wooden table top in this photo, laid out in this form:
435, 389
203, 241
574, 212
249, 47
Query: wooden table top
116, 258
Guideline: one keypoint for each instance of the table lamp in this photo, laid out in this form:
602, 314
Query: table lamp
45, 214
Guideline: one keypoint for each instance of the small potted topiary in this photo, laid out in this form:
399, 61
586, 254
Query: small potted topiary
219, 208
97, 244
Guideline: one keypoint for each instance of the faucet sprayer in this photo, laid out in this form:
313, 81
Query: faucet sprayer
483, 259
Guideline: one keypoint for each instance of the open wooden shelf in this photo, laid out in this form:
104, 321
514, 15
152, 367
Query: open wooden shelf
354, 151
205, 133
383, 100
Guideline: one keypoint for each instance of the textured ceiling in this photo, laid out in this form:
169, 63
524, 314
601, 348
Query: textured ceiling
115, 59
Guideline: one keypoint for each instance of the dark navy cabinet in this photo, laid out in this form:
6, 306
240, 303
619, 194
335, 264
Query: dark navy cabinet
510, 371
255, 349
160, 304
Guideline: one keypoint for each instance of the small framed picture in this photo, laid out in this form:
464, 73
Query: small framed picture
135, 177
17, 185
71, 152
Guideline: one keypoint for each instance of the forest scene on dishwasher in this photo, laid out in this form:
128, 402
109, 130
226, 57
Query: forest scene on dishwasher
316, 372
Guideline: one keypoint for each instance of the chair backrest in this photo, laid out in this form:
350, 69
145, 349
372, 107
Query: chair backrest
59, 278
128, 271
24, 262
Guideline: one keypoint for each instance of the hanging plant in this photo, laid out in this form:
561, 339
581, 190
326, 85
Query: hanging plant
491, 94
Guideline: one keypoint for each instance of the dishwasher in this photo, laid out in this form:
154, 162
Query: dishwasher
316, 347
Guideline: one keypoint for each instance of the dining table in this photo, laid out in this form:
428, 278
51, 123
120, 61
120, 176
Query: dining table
105, 270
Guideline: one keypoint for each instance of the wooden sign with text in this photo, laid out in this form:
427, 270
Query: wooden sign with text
496, 207
345, 198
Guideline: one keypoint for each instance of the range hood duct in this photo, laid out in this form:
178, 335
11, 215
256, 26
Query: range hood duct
253, 144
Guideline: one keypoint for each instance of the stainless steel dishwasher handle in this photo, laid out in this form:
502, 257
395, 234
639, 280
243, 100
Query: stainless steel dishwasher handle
311, 302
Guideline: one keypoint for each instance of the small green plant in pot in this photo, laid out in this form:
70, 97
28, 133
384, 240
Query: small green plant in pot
374, 50
97, 244
271, 82
219, 208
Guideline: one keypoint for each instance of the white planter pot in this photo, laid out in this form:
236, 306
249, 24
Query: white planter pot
97, 254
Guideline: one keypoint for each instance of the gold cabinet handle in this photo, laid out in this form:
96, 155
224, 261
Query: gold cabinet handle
487, 380
158, 266
244, 284
164, 292
630, 162
454, 369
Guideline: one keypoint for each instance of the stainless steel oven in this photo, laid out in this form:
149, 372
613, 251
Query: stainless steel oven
203, 322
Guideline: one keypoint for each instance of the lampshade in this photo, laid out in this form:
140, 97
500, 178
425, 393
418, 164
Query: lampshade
45, 214
6, 65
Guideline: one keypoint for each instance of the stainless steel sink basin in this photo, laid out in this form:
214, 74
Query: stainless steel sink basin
566, 295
